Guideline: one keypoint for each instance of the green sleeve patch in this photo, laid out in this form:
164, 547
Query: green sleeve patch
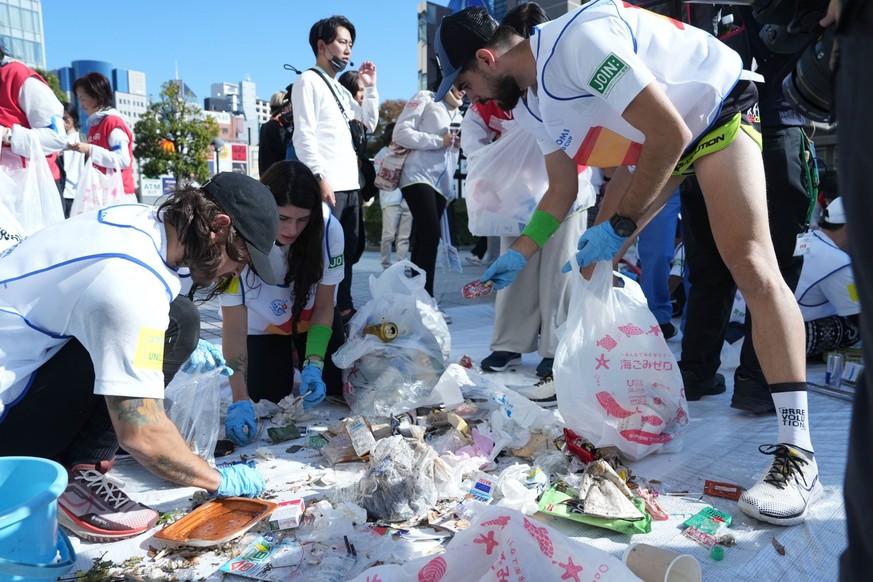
610, 70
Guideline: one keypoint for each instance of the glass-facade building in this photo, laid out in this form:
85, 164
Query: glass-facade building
21, 31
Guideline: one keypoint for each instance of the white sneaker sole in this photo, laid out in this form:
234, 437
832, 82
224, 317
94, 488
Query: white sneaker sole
509, 364
752, 511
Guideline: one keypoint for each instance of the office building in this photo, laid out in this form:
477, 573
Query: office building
21, 31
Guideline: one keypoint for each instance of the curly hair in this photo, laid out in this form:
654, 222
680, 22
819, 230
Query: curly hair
292, 183
191, 213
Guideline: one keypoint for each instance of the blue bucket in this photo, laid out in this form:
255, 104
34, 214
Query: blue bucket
32, 547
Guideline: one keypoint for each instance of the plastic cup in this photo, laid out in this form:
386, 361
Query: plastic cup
654, 564
834, 371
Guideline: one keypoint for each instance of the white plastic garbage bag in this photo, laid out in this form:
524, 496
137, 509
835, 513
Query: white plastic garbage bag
503, 544
617, 382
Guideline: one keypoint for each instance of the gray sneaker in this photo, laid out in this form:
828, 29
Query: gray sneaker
94, 508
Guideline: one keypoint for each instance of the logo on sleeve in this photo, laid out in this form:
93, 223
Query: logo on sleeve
149, 349
609, 71
335, 262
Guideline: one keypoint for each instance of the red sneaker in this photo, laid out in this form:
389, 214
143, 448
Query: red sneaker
94, 508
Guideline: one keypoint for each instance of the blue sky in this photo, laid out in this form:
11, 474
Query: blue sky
224, 40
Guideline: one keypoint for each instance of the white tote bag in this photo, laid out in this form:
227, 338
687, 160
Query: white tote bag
98, 190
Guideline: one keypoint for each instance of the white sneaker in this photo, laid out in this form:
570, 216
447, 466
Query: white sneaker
783, 494
542, 393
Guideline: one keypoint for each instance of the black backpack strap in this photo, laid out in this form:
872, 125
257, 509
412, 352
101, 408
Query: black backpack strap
332, 92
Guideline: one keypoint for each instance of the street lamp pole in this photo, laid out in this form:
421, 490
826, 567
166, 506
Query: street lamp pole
217, 145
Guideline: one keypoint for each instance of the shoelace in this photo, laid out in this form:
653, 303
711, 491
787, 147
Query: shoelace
104, 487
785, 465
545, 381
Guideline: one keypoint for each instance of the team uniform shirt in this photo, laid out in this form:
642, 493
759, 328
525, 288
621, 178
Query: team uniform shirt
322, 139
421, 127
100, 277
28, 105
269, 306
112, 145
592, 63
827, 282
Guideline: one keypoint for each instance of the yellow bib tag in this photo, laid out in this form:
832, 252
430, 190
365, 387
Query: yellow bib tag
150, 349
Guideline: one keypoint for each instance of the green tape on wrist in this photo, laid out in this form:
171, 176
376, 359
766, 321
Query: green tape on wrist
316, 340
541, 227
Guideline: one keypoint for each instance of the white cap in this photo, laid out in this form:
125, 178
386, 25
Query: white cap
835, 213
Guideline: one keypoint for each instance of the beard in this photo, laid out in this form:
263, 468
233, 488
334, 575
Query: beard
506, 92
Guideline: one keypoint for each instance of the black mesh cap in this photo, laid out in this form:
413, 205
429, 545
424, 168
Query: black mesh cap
458, 38
253, 213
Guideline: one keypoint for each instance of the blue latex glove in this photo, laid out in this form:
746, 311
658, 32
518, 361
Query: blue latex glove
205, 358
240, 480
240, 416
505, 269
599, 243
312, 381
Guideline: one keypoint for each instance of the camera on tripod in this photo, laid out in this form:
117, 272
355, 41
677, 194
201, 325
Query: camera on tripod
792, 27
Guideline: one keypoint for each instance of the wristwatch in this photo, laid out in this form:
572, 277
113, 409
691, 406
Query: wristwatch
319, 177
622, 225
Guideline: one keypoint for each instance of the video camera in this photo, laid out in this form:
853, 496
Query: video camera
792, 27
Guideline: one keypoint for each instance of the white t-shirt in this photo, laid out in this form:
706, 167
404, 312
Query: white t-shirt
100, 277
269, 306
827, 282
593, 61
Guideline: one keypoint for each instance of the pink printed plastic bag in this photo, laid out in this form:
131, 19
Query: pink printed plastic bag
504, 545
617, 382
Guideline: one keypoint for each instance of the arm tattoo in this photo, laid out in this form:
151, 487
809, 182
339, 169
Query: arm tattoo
239, 365
135, 411
180, 473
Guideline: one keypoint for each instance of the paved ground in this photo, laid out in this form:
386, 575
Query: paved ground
447, 291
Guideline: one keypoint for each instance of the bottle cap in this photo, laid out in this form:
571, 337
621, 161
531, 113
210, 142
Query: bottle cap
717, 553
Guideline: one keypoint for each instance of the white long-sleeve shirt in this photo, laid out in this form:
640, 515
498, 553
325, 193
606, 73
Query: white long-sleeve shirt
321, 134
118, 157
421, 127
44, 114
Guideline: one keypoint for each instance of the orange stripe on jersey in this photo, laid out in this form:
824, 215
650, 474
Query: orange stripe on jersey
676, 23
603, 148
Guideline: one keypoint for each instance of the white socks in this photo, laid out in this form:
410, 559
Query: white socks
792, 416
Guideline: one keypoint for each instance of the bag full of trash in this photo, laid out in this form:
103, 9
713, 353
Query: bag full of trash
398, 346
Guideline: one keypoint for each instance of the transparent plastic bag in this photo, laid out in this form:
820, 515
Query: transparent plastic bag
193, 404
97, 190
389, 376
29, 192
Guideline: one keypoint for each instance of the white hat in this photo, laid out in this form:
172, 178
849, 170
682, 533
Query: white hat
835, 213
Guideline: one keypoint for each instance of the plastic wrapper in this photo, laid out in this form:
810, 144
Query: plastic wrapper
388, 377
193, 404
400, 484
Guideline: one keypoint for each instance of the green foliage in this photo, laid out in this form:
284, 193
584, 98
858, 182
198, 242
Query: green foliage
54, 83
172, 119
389, 111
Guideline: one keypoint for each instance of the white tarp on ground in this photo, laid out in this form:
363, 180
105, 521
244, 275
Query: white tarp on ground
721, 444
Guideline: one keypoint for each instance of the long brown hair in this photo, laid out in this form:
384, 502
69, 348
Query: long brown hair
293, 183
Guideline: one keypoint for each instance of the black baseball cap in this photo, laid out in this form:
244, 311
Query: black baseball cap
252, 210
458, 38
